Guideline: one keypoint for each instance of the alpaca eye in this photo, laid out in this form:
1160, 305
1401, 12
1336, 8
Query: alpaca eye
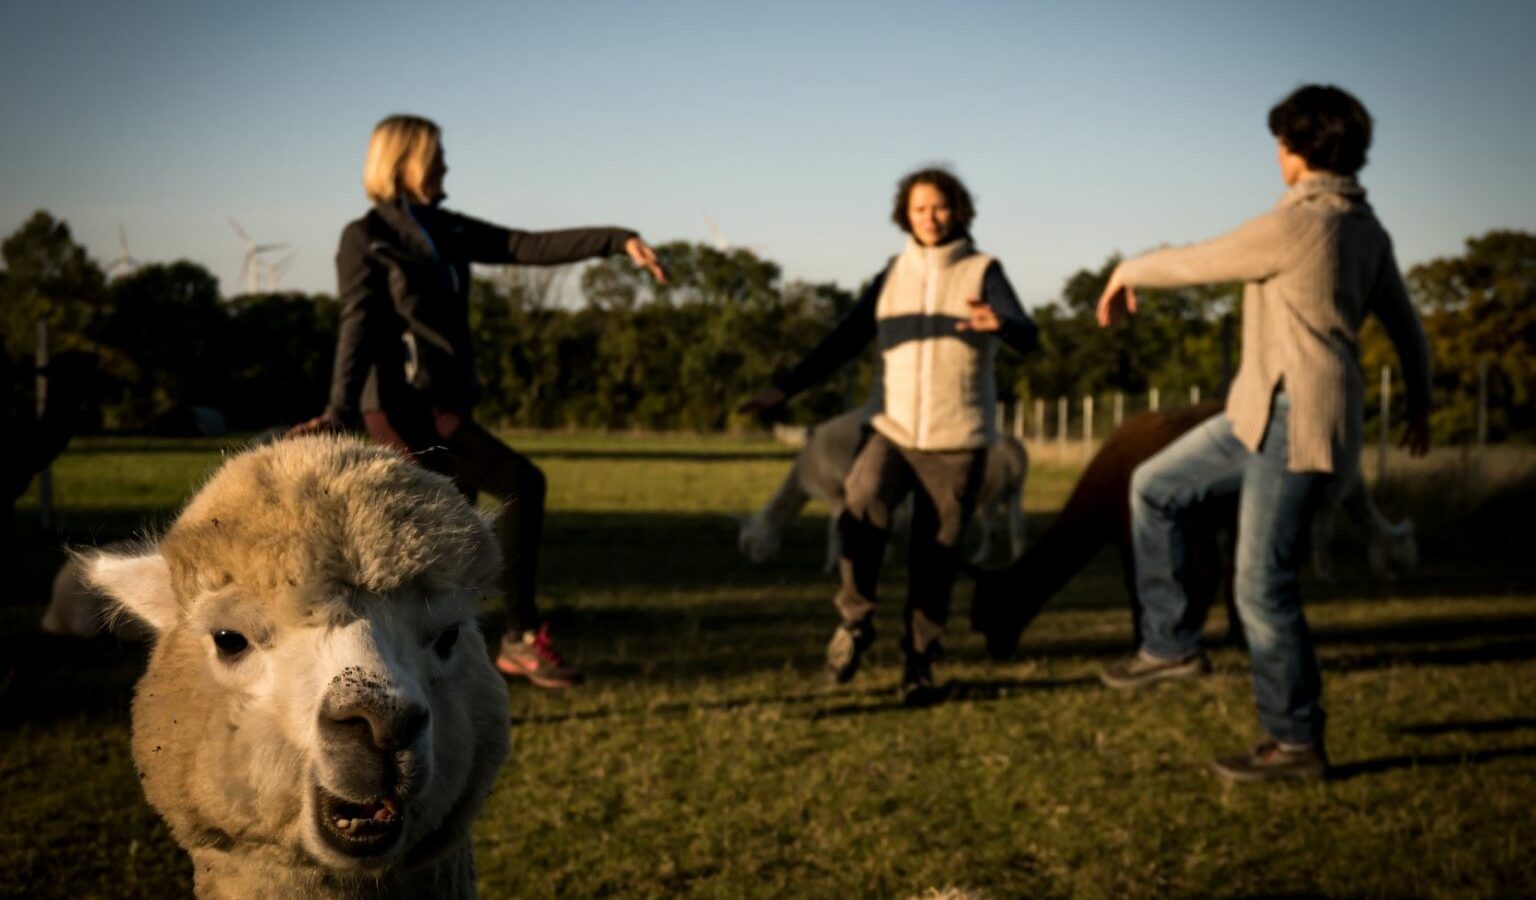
230, 643
445, 641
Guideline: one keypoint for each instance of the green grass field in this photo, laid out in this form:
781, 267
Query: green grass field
708, 755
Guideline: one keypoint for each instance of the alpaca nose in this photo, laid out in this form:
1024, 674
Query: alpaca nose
386, 727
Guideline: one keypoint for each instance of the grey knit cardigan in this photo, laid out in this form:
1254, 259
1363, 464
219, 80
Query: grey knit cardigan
1313, 268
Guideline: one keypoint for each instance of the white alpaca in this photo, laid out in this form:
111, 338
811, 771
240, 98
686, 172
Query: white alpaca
1393, 551
319, 717
820, 468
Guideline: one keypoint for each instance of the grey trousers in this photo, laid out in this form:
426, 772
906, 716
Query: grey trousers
945, 485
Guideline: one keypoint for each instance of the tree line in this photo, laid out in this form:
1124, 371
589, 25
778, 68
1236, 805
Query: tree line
629, 355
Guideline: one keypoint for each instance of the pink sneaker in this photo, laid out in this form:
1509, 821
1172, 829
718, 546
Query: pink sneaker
532, 655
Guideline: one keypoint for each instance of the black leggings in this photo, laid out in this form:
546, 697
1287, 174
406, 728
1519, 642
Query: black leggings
477, 461
483, 463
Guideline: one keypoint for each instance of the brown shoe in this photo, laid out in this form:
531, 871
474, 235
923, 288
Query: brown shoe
532, 655
849, 641
1142, 668
1270, 760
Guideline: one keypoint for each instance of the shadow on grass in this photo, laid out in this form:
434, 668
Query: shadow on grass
1488, 726
58, 677
684, 708
958, 692
1419, 761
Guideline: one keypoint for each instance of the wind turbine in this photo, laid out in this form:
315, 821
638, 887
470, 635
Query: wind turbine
275, 271
723, 244
125, 263
252, 264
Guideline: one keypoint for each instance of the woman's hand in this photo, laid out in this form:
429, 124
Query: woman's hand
1117, 301
321, 424
983, 318
645, 258
767, 398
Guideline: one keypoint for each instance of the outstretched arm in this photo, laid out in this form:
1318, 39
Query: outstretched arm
487, 243
1253, 251
844, 342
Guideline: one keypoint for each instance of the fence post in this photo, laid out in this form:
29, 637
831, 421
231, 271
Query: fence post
1194, 394
1040, 420
1119, 408
1061, 427
45, 477
1152, 399
1018, 418
1087, 426
1386, 423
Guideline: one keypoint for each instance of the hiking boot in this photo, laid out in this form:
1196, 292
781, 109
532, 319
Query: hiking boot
917, 685
1270, 760
532, 655
848, 644
1142, 668
1000, 617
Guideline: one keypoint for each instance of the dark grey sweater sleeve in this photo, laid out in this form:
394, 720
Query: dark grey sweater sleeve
487, 243
850, 336
1017, 329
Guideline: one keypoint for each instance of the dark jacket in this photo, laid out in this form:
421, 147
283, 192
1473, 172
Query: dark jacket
403, 345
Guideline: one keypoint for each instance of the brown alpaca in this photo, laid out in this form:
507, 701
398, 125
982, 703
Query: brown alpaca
1099, 510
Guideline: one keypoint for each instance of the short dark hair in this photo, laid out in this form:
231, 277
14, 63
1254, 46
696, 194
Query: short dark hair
1324, 125
960, 205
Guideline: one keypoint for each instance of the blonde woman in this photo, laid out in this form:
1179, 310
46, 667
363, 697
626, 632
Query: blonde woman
405, 367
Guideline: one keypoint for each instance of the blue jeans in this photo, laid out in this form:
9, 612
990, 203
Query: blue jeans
1275, 507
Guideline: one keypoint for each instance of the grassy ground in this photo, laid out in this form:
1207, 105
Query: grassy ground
709, 757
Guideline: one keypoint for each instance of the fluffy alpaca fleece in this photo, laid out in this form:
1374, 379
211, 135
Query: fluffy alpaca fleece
319, 717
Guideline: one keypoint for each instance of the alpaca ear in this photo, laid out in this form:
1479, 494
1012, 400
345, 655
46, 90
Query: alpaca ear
137, 585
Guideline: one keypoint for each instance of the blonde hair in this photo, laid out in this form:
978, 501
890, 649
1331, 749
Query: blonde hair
399, 153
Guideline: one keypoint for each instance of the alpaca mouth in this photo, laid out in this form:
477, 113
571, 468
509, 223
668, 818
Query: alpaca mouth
358, 829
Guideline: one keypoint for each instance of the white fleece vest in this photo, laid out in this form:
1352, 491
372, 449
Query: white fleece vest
939, 388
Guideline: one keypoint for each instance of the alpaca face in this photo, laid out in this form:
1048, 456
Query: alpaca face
360, 703
318, 681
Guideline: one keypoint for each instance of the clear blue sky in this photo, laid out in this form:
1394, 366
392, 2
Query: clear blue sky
1083, 130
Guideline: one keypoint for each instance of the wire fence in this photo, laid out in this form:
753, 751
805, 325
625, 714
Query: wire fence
1069, 430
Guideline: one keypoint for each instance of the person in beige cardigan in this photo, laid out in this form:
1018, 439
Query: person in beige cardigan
1313, 268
